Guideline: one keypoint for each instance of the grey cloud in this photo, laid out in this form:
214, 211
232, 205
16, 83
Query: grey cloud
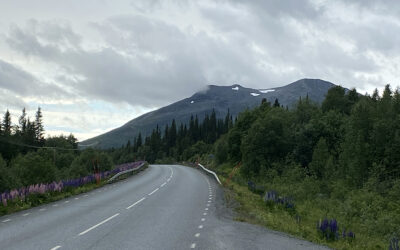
21, 83
149, 61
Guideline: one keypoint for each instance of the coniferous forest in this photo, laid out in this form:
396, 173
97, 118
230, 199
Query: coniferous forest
338, 161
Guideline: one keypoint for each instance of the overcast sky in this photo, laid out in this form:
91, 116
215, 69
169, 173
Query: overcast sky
93, 65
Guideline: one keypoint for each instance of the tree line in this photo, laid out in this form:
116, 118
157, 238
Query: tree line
27, 157
176, 142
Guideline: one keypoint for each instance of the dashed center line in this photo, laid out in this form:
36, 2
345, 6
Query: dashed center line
204, 213
104, 221
193, 245
7, 220
55, 248
201, 226
203, 219
197, 235
136, 203
155, 190
206, 208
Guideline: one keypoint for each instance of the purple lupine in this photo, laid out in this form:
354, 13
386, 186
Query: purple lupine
59, 186
394, 244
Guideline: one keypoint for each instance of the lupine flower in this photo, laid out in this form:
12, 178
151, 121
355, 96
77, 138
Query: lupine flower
42, 188
272, 196
394, 244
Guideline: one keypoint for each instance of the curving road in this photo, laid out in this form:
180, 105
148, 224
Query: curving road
163, 207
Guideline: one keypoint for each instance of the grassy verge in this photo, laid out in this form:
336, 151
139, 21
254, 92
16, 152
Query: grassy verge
300, 222
35, 200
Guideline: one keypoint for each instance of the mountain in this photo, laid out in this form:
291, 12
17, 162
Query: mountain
221, 98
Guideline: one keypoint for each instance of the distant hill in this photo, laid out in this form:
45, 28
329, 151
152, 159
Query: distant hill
236, 98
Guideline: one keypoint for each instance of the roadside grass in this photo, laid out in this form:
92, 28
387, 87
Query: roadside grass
35, 200
302, 222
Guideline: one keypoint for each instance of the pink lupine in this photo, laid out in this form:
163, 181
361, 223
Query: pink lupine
42, 188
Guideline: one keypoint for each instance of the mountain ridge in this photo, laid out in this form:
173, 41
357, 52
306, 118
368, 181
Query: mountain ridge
234, 98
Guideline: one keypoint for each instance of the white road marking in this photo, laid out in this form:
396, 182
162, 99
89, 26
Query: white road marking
197, 235
204, 213
155, 190
104, 221
55, 248
203, 219
86, 195
162, 185
193, 245
26, 214
7, 220
55, 205
209, 201
206, 208
208, 205
136, 203
66, 201
77, 198
42, 209
201, 226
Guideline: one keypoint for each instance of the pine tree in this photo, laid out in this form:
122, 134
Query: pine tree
39, 130
139, 141
7, 123
22, 122
172, 134
277, 104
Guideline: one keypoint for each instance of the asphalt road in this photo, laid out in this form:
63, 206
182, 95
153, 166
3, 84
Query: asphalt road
163, 207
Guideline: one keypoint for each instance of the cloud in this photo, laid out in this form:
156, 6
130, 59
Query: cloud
152, 53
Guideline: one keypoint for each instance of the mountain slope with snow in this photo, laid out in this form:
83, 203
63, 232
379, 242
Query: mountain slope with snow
221, 98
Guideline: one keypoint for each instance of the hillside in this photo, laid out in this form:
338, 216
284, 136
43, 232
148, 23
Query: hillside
236, 98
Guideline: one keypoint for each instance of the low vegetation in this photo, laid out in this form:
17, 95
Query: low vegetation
327, 173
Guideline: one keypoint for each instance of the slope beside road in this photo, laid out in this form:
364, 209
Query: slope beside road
163, 207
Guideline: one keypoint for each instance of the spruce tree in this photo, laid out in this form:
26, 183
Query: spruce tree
277, 104
39, 130
7, 123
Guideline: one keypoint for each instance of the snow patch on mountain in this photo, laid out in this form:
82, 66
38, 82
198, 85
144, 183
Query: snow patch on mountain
264, 91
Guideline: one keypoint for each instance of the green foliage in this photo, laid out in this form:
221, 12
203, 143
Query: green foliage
90, 161
338, 160
33, 168
321, 156
221, 150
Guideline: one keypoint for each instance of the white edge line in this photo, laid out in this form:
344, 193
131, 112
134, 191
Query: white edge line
7, 220
104, 221
162, 185
55, 248
155, 190
136, 203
